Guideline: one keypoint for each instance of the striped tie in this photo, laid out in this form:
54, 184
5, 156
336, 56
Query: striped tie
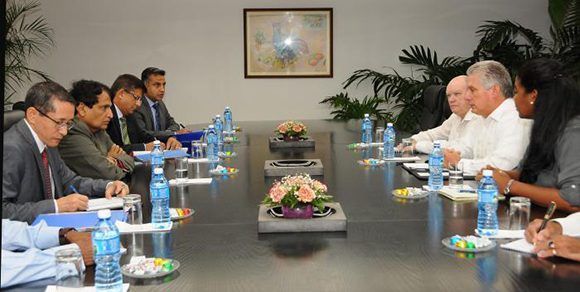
124, 132
157, 117
47, 186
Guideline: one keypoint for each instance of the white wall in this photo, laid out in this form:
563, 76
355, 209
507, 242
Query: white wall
200, 44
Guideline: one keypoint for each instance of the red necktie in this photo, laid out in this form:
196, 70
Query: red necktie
47, 187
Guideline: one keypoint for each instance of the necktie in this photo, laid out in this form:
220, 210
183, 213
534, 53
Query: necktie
124, 132
157, 118
47, 187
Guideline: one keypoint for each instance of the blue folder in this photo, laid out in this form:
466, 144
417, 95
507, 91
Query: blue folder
167, 154
77, 220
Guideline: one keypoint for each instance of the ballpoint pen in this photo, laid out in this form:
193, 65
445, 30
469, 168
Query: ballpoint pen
548, 215
72, 187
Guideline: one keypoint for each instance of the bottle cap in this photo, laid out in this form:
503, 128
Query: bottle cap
218, 116
487, 172
227, 107
210, 127
156, 142
158, 170
366, 115
437, 143
389, 124
104, 214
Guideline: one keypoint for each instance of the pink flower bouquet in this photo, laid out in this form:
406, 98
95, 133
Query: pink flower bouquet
298, 191
291, 129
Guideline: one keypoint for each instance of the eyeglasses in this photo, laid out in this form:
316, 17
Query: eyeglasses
136, 97
60, 125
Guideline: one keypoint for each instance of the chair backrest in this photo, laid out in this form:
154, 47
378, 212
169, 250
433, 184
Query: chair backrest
433, 108
11, 118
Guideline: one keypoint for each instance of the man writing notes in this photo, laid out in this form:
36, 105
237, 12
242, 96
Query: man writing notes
127, 91
453, 132
153, 115
87, 149
501, 137
35, 180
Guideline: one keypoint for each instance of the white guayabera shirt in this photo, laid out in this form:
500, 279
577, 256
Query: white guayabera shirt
453, 133
499, 140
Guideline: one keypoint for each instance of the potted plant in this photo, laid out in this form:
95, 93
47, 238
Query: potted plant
291, 130
298, 195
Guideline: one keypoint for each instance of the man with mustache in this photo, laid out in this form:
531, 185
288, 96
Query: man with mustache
87, 149
35, 180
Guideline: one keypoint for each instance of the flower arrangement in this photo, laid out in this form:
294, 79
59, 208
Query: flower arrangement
297, 191
291, 129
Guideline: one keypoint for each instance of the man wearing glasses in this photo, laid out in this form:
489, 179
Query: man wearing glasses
127, 91
35, 180
153, 115
88, 149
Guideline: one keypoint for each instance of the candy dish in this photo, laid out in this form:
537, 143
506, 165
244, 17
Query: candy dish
227, 154
468, 243
147, 268
410, 193
220, 170
180, 213
371, 162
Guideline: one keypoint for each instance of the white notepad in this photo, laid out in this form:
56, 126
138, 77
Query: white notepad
502, 233
465, 194
191, 181
52, 288
104, 203
520, 245
140, 228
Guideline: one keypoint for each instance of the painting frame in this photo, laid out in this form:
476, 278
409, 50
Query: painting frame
298, 45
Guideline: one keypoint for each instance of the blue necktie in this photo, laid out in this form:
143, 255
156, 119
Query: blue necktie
157, 118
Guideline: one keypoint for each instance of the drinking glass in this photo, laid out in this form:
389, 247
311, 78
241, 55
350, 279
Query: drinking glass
197, 149
407, 144
69, 268
379, 132
519, 213
181, 168
132, 206
456, 175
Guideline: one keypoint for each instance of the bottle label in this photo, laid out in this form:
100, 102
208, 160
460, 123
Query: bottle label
106, 246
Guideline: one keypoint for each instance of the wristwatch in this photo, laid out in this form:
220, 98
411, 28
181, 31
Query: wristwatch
62, 239
506, 190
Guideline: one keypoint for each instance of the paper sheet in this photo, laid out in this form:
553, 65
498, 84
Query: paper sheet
502, 233
52, 288
520, 245
104, 203
140, 228
192, 181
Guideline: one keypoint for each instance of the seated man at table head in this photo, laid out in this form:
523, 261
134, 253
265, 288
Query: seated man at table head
28, 252
558, 238
501, 137
454, 131
87, 149
35, 180
152, 115
127, 91
550, 170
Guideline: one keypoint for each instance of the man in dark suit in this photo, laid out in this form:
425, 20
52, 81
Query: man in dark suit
127, 91
35, 180
153, 115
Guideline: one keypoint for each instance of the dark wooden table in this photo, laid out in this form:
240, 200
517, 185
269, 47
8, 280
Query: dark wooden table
390, 244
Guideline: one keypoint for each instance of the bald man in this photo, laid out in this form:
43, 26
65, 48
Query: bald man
453, 131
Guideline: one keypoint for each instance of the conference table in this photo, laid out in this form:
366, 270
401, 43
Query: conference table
390, 244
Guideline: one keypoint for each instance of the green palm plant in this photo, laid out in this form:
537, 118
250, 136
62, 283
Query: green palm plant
27, 35
347, 108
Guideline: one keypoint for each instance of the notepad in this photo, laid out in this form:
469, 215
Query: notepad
141, 228
191, 181
77, 220
502, 233
167, 154
53, 288
520, 245
104, 203
401, 159
465, 194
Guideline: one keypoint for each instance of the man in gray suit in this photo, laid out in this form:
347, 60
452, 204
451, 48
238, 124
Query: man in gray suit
35, 180
153, 115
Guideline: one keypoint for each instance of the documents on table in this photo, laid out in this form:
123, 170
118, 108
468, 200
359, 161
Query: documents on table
167, 154
140, 228
191, 181
77, 220
53, 288
519, 245
104, 203
502, 233
401, 159
456, 194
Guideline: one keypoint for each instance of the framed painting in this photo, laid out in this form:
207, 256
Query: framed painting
288, 43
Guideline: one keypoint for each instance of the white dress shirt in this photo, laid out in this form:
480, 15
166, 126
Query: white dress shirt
453, 133
500, 140
28, 252
571, 224
41, 147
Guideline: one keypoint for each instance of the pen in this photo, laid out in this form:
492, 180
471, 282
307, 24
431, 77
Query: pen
548, 215
182, 126
468, 191
72, 187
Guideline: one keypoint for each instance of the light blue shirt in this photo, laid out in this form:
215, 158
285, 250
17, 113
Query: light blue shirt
27, 252
153, 111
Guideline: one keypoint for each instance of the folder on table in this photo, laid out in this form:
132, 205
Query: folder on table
167, 154
77, 220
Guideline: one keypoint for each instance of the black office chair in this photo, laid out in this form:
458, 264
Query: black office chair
11, 118
433, 112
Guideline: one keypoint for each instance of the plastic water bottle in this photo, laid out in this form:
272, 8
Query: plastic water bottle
106, 248
212, 144
159, 189
219, 128
156, 156
228, 125
367, 130
487, 223
389, 141
436, 167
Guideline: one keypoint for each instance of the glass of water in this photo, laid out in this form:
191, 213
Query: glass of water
519, 213
407, 144
132, 206
197, 149
456, 175
379, 132
181, 168
69, 268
